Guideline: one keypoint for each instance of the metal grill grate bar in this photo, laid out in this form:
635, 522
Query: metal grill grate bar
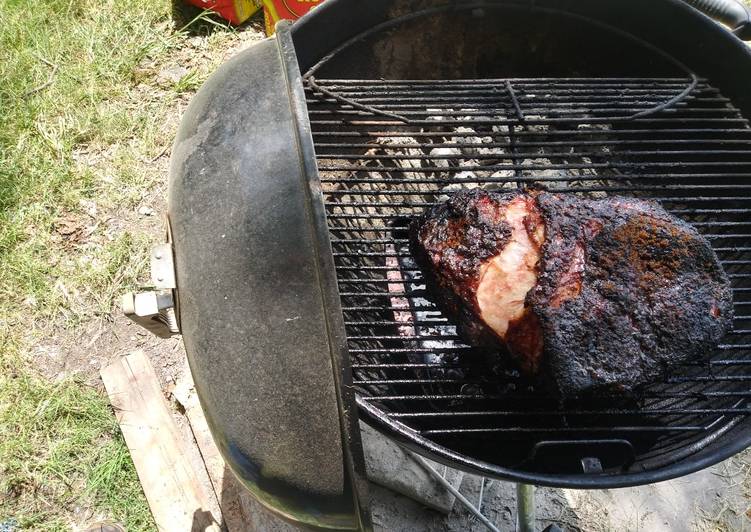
570, 135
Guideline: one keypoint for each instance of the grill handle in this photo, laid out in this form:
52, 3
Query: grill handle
730, 12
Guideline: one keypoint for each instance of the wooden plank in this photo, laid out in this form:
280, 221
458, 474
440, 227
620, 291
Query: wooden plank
174, 494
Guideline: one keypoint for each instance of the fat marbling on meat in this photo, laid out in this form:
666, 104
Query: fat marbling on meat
585, 295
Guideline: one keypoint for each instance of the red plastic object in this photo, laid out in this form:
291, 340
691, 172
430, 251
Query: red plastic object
276, 10
235, 11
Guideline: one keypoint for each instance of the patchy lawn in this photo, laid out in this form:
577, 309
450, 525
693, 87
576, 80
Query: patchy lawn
90, 96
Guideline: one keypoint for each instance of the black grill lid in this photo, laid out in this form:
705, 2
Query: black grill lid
254, 298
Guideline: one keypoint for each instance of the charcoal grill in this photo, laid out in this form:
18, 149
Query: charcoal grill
301, 307
413, 374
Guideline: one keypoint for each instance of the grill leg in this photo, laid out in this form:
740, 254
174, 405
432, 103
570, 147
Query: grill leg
525, 508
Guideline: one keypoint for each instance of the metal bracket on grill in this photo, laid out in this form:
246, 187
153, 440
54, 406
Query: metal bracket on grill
163, 267
154, 310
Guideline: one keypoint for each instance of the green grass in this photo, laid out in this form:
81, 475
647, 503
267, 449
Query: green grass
65, 76
60, 447
94, 47
83, 115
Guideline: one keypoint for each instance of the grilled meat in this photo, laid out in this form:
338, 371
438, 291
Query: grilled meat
585, 295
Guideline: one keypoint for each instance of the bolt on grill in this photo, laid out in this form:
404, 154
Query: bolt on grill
387, 150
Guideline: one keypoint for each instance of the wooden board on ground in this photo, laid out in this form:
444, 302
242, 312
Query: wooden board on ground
175, 496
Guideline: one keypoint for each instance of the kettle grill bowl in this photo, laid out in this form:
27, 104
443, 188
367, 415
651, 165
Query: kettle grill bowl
378, 173
414, 375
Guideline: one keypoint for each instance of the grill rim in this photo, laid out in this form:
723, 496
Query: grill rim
681, 467
314, 39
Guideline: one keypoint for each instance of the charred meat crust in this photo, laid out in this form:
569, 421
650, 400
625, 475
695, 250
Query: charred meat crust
652, 294
625, 291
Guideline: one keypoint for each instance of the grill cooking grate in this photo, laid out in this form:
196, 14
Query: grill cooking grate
387, 150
